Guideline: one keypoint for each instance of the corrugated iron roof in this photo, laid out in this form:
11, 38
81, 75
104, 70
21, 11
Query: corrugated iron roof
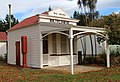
3, 36
45, 13
26, 22
30, 21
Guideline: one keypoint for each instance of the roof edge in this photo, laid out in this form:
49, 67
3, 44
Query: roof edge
26, 22
22, 27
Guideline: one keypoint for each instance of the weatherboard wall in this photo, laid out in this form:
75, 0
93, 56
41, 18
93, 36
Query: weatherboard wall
2, 48
99, 47
33, 40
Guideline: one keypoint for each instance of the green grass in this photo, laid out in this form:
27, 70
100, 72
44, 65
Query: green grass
10, 73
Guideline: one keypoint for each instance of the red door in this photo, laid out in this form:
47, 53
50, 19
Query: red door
18, 53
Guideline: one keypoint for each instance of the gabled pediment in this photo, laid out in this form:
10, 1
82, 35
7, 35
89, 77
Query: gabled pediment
58, 12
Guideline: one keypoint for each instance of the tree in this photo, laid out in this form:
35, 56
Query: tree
76, 15
89, 5
1, 25
82, 5
4, 24
88, 11
114, 36
49, 9
112, 25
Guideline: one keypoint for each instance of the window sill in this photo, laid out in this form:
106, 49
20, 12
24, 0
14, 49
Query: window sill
61, 54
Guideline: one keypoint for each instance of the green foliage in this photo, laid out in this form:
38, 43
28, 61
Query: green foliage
113, 22
1, 25
112, 25
88, 12
82, 17
114, 36
76, 15
49, 9
4, 24
79, 16
100, 39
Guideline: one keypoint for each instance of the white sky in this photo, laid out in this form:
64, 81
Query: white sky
25, 8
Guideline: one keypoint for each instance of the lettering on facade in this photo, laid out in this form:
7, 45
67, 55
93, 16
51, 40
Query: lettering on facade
59, 14
59, 21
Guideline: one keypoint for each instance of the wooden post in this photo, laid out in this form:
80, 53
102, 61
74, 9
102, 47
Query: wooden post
71, 50
107, 53
41, 51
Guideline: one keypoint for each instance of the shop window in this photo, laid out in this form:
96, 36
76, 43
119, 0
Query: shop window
54, 45
45, 45
63, 44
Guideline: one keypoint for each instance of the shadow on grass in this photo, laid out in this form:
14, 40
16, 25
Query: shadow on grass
3, 63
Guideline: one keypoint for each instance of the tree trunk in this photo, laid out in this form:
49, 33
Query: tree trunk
82, 45
95, 47
91, 47
84, 39
86, 23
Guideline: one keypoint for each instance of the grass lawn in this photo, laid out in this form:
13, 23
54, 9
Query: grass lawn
10, 73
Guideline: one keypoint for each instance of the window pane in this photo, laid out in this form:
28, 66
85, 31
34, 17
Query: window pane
54, 43
63, 44
45, 45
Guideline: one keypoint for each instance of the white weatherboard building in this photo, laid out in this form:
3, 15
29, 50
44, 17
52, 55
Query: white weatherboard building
51, 39
3, 41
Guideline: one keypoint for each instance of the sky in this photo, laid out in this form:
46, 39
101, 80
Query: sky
22, 9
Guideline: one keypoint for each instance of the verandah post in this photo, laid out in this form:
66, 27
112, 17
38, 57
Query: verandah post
71, 50
107, 53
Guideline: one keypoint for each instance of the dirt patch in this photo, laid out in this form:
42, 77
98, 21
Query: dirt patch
77, 69
61, 69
